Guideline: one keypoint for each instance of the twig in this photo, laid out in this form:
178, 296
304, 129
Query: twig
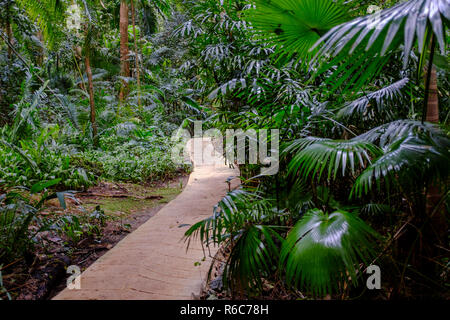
8, 265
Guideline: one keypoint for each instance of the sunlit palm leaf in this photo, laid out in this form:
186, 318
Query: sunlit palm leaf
390, 132
295, 25
48, 14
374, 103
323, 251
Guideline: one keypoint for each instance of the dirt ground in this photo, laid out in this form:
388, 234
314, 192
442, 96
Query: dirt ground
125, 206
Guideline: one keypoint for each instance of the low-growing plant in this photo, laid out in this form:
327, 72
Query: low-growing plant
26, 162
20, 219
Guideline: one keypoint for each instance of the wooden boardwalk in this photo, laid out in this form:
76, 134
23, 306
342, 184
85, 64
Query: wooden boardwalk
152, 262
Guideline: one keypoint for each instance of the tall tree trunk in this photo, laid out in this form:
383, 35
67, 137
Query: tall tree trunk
124, 51
87, 63
433, 99
40, 49
435, 232
434, 195
136, 53
9, 31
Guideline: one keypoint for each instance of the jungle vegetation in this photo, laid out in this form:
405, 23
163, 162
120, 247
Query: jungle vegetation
92, 90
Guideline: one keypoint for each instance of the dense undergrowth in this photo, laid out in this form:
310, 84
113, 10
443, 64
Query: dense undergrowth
362, 110
48, 149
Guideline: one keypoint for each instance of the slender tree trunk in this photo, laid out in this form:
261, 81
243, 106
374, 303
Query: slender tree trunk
435, 231
433, 100
136, 53
91, 97
9, 32
124, 51
40, 55
434, 195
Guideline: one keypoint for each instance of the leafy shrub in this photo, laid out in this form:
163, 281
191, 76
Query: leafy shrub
43, 158
20, 221
132, 154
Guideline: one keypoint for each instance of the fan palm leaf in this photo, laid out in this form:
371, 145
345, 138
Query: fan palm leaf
230, 215
323, 251
240, 220
295, 25
252, 256
390, 132
408, 161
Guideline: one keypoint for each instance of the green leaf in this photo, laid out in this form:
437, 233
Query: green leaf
364, 42
38, 187
330, 156
294, 26
322, 252
61, 199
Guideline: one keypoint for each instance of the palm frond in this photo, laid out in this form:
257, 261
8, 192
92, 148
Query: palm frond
373, 103
252, 256
332, 156
409, 161
375, 209
229, 216
390, 132
300, 144
238, 222
323, 251
361, 45
48, 14
294, 26
25, 111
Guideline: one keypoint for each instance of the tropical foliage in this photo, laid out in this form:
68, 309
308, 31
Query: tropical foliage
92, 90
357, 154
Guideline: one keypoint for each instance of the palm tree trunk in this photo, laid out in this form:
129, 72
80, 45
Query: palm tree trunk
434, 195
124, 51
136, 53
433, 100
435, 233
91, 97
9, 32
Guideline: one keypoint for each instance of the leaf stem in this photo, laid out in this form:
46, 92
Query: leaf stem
428, 79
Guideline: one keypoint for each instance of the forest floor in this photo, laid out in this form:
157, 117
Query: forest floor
272, 289
125, 206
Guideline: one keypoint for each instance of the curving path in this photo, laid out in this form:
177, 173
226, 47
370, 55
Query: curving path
152, 262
